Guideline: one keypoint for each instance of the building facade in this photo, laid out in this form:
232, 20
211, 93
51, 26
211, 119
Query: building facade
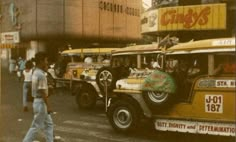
53, 24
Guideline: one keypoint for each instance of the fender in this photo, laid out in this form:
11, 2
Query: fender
135, 99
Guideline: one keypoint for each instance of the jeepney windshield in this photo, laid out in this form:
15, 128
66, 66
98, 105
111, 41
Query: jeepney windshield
139, 61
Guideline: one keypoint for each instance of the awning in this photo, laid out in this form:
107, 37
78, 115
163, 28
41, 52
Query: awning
7, 45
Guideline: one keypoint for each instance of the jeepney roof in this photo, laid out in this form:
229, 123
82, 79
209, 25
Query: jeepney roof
201, 46
137, 49
88, 51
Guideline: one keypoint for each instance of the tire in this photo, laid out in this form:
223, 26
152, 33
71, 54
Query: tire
86, 98
109, 74
123, 116
158, 100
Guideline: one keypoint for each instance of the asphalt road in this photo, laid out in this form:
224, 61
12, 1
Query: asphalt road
73, 124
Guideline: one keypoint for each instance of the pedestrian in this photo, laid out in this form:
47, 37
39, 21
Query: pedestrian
42, 119
27, 75
12, 65
21, 65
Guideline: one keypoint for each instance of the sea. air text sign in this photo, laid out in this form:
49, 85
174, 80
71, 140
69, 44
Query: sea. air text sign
10, 38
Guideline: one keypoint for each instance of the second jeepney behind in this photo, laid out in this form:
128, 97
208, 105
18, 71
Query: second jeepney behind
73, 64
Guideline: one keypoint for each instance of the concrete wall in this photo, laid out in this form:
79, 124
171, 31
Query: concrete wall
73, 19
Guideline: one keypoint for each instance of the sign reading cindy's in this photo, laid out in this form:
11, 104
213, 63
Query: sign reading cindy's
197, 17
200, 17
189, 19
10, 37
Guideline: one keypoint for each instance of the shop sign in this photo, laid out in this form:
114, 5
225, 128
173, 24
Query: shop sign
200, 17
212, 128
10, 37
118, 8
149, 21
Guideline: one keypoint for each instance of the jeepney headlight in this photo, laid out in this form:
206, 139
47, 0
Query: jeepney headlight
74, 72
120, 84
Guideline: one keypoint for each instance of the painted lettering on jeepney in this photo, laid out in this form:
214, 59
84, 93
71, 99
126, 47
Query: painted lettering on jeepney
225, 83
214, 103
223, 129
189, 19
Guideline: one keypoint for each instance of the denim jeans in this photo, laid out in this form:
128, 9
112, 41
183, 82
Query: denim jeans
26, 89
42, 121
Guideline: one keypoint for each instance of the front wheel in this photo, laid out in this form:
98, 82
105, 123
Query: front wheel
123, 116
86, 98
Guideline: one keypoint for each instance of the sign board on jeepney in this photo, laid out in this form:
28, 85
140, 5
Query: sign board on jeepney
10, 37
213, 128
223, 42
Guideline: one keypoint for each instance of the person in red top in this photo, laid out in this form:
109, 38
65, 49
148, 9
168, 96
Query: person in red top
227, 66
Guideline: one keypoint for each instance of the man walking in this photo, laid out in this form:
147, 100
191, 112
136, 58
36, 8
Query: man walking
42, 119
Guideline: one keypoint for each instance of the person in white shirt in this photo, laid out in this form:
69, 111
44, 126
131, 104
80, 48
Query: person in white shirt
155, 64
27, 74
42, 119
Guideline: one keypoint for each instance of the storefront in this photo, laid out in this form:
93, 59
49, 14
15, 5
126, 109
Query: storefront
189, 22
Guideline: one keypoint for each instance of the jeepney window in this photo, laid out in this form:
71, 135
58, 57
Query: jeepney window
184, 69
67, 59
193, 64
124, 60
224, 64
77, 58
151, 61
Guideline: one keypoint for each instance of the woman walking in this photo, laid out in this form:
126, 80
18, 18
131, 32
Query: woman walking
27, 74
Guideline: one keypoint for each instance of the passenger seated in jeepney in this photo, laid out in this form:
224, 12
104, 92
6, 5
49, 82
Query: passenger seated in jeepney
185, 72
180, 73
226, 65
198, 66
106, 59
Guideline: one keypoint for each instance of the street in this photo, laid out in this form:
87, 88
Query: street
73, 124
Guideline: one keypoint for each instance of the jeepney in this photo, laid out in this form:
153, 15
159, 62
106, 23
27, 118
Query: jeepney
137, 60
124, 61
202, 100
73, 63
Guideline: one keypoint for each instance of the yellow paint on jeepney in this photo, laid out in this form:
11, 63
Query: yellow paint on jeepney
85, 51
127, 91
79, 71
208, 103
135, 80
196, 109
137, 48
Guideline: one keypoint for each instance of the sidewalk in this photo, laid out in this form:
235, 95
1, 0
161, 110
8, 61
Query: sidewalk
12, 118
